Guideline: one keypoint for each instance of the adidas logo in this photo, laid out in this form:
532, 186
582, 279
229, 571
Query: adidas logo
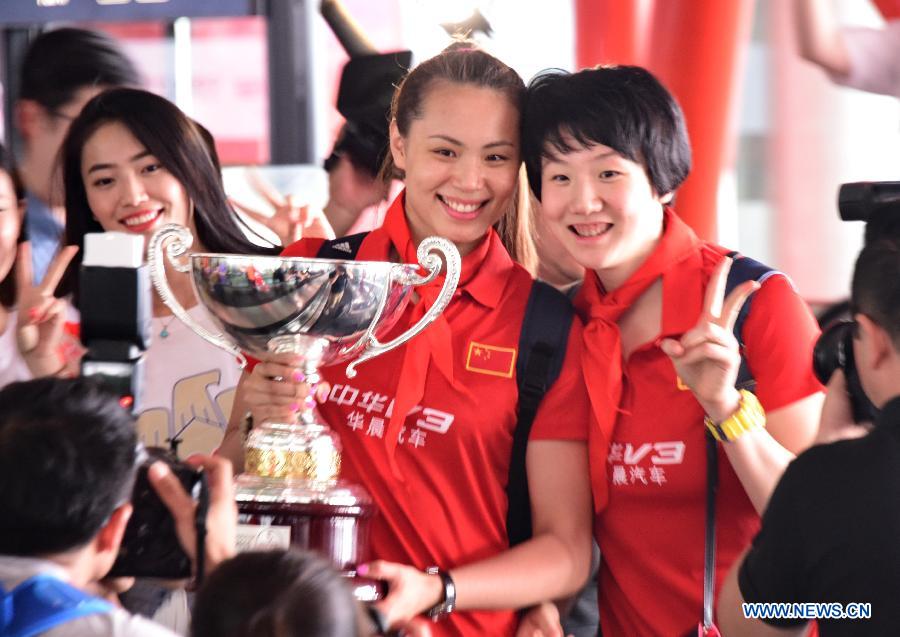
343, 246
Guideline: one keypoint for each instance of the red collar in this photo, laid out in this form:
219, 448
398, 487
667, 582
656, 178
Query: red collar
677, 259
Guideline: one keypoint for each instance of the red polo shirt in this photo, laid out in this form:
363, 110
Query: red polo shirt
445, 503
651, 531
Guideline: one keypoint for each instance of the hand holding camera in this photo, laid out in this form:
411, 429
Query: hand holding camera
221, 517
179, 507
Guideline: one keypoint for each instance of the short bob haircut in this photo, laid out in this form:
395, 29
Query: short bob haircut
622, 107
180, 146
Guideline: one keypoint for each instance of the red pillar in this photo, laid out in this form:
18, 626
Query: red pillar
889, 8
697, 48
609, 32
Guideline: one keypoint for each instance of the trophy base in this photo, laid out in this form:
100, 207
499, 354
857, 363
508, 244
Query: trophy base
331, 519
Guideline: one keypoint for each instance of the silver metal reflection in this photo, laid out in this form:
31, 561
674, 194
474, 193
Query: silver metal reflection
324, 310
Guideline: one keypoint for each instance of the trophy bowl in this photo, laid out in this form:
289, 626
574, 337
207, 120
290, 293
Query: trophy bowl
307, 305
326, 311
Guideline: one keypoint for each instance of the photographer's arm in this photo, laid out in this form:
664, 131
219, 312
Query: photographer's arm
553, 564
221, 520
760, 457
729, 612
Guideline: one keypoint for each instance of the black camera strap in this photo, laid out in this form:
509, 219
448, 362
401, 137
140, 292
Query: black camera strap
200, 527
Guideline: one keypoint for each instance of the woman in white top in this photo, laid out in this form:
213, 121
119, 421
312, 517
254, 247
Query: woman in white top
133, 162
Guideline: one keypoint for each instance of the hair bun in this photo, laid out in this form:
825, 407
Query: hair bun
462, 44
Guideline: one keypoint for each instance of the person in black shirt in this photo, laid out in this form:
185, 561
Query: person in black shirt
830, 536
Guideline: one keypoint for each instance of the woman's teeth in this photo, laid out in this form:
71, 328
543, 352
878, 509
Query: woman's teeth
461, 207
137, 220
590, 229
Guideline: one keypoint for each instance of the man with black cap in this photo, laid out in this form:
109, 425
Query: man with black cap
354, 166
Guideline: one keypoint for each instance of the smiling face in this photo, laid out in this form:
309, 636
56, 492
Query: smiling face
127, 188
602, 208
461, 160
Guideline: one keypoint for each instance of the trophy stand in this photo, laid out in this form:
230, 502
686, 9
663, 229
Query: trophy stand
326, 311
290, 490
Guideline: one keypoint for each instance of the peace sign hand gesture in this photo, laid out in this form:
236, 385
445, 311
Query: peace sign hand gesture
707, 357
289, 220
41, 315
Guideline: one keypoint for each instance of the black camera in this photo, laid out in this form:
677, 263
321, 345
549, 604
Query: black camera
115, 306
833, 351
875, 203
150, 547
864, 200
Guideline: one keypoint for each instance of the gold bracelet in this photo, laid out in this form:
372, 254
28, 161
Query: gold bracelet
749, 417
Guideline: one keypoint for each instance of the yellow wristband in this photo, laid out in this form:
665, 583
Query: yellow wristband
749, 416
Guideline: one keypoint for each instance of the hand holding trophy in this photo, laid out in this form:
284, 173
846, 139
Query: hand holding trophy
325, 311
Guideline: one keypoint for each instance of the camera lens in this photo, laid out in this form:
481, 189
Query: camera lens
833, 350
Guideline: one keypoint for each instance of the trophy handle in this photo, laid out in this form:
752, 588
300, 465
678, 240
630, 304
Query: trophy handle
431, 262
181, 241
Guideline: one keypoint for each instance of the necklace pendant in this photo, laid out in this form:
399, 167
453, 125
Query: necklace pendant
165, 332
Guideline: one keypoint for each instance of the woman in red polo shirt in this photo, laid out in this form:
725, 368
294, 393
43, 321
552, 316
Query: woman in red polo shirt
605, 150
427, 428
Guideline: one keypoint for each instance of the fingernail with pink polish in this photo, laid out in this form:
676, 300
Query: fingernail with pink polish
295, 407
299, 377
362, 569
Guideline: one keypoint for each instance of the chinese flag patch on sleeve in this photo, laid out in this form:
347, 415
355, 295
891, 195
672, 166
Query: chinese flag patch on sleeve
491, 360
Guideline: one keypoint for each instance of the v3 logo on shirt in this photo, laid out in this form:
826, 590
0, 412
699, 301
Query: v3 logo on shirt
671, 452
491, 360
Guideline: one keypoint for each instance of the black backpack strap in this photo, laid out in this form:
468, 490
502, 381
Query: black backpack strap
342, 248
742, 269
745, 269
542, 350
709, 551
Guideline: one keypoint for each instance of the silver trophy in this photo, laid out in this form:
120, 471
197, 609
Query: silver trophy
326, 311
